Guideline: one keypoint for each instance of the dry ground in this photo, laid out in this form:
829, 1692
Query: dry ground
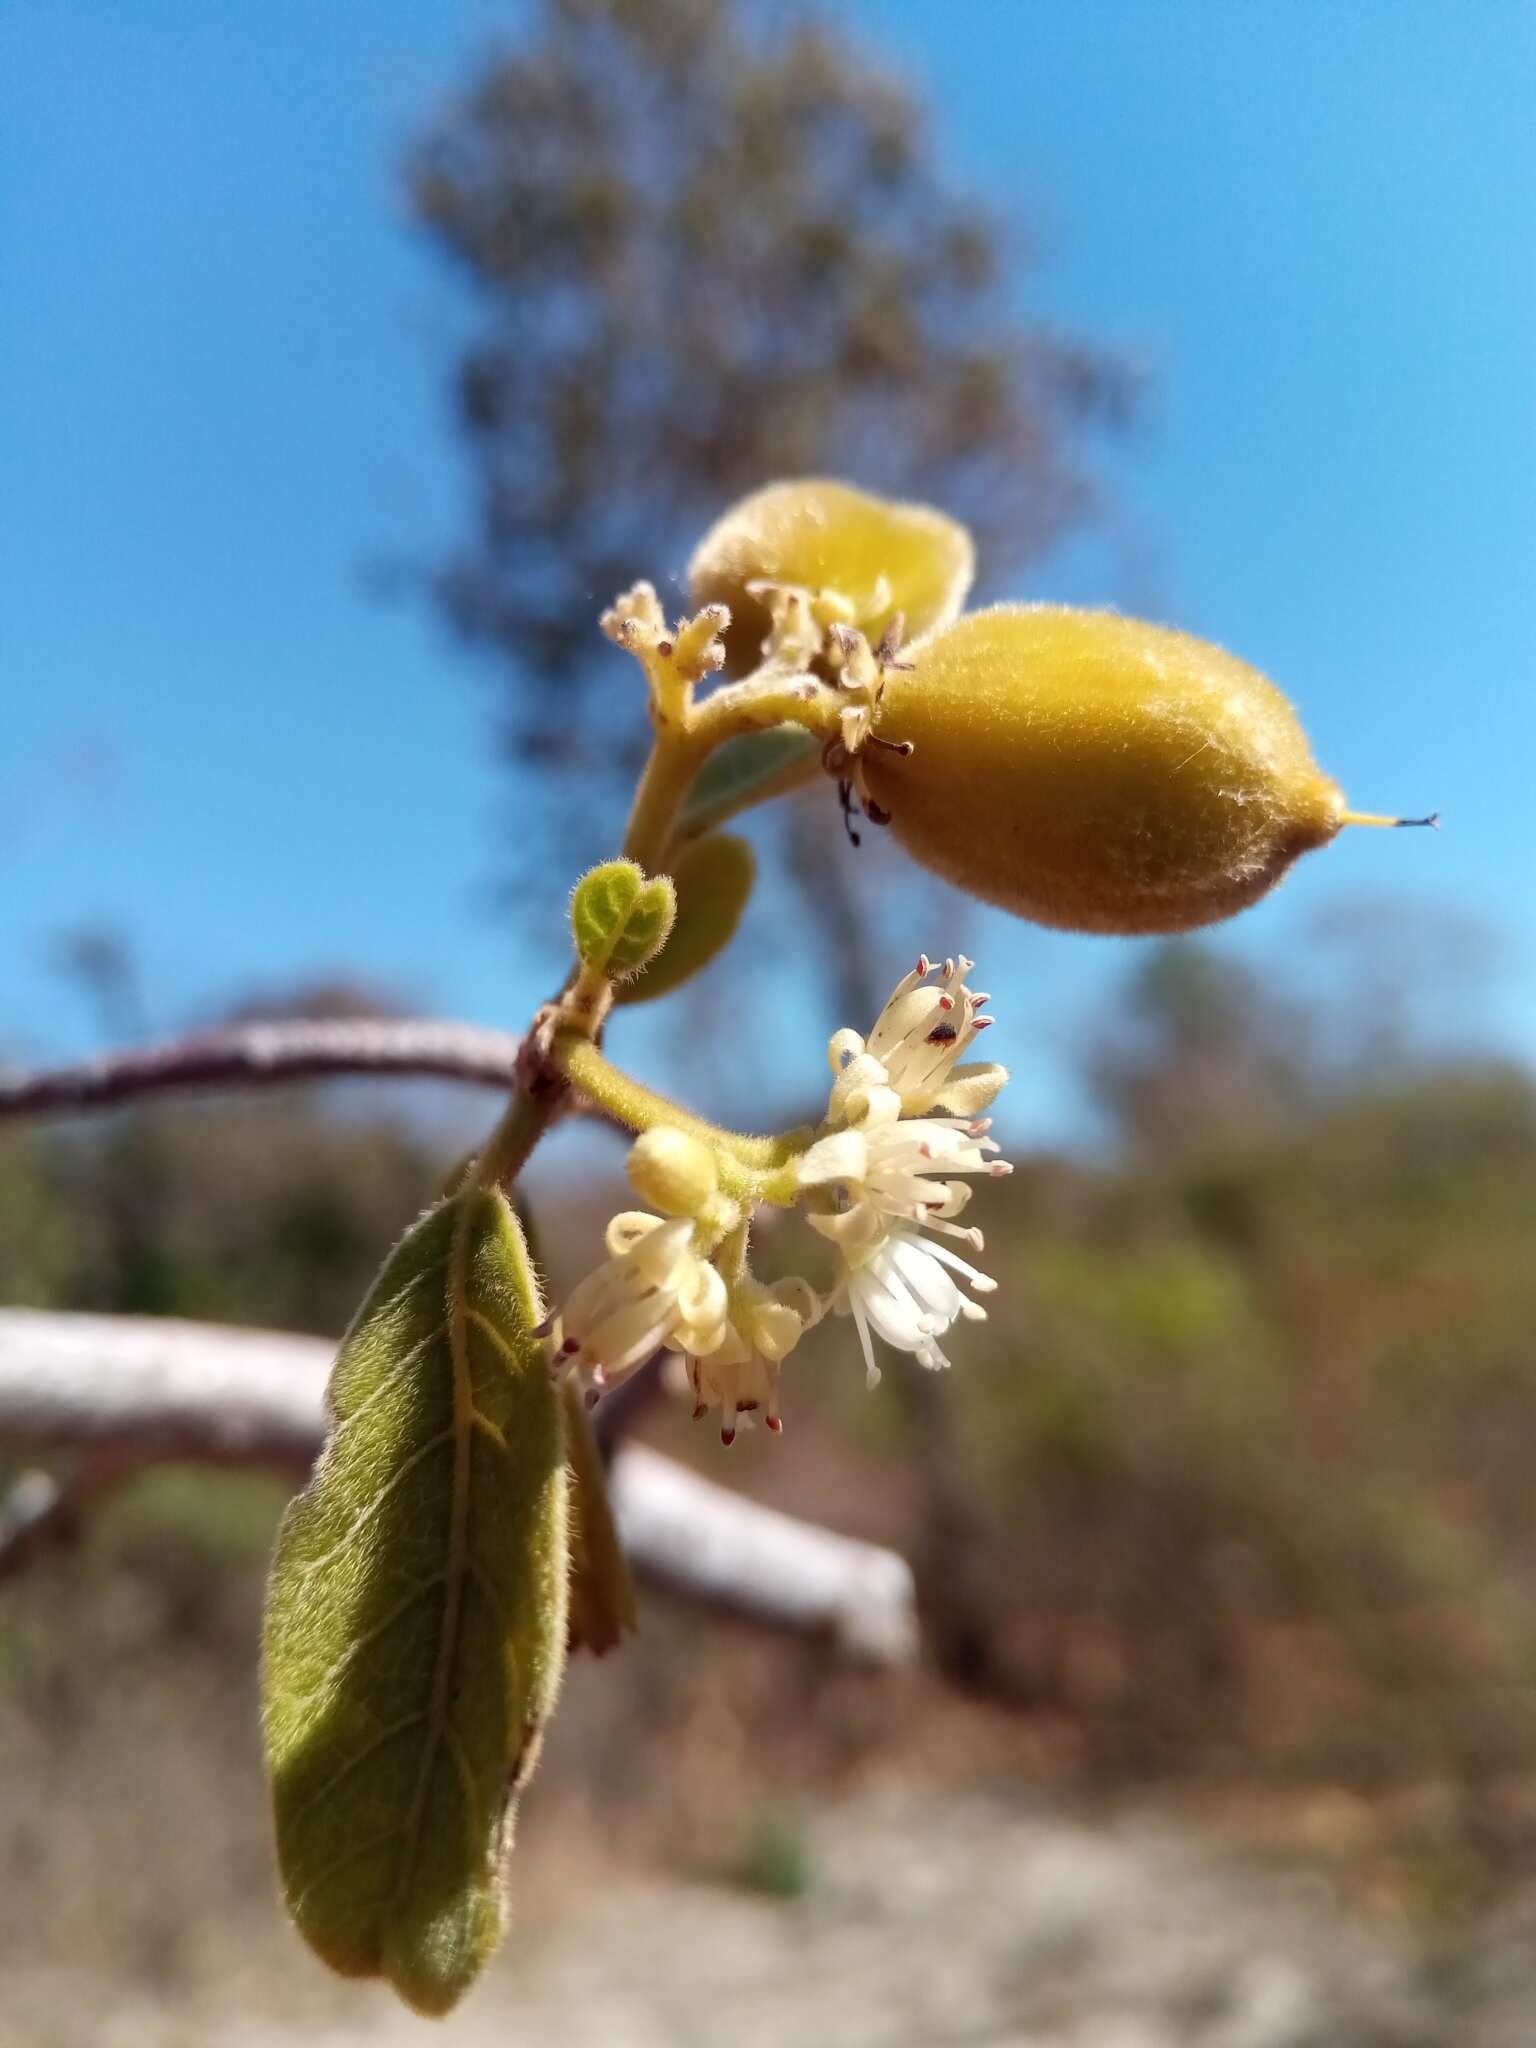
869, 1869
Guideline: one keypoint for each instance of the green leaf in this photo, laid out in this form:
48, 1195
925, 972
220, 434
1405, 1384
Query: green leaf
713, 879
746, 769
619, 920
416, 1614
602, 1594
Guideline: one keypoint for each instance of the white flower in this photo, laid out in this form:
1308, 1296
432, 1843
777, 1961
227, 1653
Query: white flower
882, 1187
881, 1177
884, 1173
903, 1286
908, 1064
741, 1375
655, 1290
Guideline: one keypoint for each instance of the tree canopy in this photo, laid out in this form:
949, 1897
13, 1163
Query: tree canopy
710, 243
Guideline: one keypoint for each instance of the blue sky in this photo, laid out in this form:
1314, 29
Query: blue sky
222, 372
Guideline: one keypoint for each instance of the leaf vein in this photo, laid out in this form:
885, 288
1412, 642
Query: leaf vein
459, 1309
370, 1748
383, 1308
492, 1592
454, 1743
481, 1421
352, 1855
489, 1329
367, 1514
395, 1373
354, 1649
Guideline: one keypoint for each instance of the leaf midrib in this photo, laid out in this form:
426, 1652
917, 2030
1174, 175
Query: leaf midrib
461, 1429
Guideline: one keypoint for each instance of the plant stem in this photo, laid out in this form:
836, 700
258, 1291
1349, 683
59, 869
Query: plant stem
757, 1168
505, 1152
767, 700
675, 759
762, 1167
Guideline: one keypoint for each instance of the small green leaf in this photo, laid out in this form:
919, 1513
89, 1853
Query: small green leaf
752, 766
416, 1614
602, 1594
619, 920
713, 879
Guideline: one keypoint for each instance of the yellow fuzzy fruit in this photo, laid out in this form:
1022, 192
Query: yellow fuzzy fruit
1096, 773
880, 557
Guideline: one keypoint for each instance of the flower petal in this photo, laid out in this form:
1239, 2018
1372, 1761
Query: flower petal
971, 1088
842, 1156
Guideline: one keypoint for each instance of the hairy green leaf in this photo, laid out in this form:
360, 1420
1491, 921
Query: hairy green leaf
416, 1615
746, 769
713, 878
619, 920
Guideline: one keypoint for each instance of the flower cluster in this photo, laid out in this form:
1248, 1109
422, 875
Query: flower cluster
880, 1179
886, 1176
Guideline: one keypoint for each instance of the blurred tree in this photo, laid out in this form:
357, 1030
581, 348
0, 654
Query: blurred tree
98, 963
1200, 1052
710, 244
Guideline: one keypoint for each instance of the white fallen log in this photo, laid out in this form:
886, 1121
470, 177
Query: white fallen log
136, 1390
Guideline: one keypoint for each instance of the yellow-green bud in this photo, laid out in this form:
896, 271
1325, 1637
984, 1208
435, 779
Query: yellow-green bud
872, 558
1096, 773
673, 1171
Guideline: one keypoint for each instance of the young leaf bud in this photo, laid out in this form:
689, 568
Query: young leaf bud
869, 558
673, 1171
1095, 773
619, 920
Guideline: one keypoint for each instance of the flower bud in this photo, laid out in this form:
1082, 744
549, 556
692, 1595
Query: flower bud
869, 558
1096, 773
673, 1171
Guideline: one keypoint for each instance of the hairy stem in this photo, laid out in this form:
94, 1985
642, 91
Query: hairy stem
766, 700
762, 1166
759, 1168
675, 759
505, 1153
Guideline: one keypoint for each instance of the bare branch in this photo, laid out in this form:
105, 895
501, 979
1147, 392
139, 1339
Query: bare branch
256, 1055
140, 1390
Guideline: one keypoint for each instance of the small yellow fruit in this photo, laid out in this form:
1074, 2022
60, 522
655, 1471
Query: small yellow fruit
880, 558
1096, 773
